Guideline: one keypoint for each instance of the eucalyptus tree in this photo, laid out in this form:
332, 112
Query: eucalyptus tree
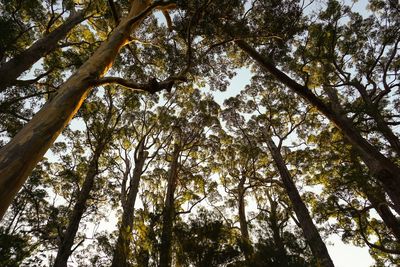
142, 138
276, 117
24, 226
102, 121
18, 14
188, 153
323, 63
238, 161
358, 207
46, 125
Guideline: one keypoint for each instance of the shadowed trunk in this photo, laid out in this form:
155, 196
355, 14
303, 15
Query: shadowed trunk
21, 154
378, 201
383, 169
310, 231
169, 211
67, 240
244, 230
122, 251
276, 231
13, 68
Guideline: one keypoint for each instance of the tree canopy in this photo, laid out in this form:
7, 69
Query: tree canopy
125, 140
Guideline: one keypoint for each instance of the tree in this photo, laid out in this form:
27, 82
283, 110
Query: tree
380, 166
53, 117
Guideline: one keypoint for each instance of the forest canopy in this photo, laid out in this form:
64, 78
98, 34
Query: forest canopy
198, 132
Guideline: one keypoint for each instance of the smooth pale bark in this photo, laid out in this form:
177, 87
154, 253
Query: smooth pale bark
21, 154
383, 169
310, 231
13, 68
121, 252
244, 229
169, 211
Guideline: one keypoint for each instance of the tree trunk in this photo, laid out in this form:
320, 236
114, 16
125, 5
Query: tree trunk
310, 231
276, 233
21, 154
121, 252
67, 240
13, 68
379, 166
169, 211
372, 110
244, 231
378, 201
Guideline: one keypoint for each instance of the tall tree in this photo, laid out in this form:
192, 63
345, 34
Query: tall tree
102, 135
20, 155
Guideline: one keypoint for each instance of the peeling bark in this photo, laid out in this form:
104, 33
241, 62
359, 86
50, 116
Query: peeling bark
310, 231
21, 154
382, 168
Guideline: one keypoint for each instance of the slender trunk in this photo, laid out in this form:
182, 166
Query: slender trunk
67, 241
383, 169
310, 231
169, 211
377, 199
244, 231
276, 232
13, 68
373, 112
21, 154
122, 252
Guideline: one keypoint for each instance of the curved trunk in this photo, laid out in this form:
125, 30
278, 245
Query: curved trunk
310, 231
13, 68
21, 154
169, 212
121, 252
383, 169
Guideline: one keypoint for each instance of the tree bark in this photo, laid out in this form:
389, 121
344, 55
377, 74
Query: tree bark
383, 169
378, 201
244, 230
310, 231
169, 211
21, 154
276, 232
121, 252
67, 240
13, 68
